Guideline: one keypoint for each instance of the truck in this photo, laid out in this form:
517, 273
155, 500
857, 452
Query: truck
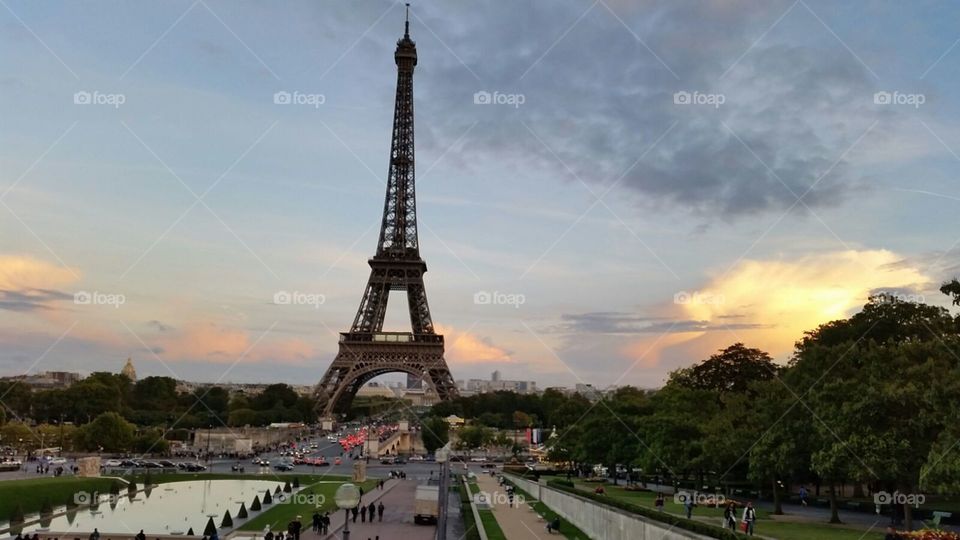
426, 504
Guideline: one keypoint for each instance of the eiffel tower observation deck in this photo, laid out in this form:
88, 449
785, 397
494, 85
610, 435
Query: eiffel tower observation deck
367, 351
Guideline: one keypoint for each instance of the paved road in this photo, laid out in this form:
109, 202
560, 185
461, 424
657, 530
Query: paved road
518, 521
397, 524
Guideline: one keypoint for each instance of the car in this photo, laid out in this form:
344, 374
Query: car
195, 467
488, 466
167, 464
478, 459
237, 467
113, 463
387, 461
332, 438
337, 461
283, 466
150, 465
255, 461
57, 461
416, 458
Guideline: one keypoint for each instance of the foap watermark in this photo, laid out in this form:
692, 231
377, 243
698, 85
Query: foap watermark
97, 298
483, 97
699, 98
497, 298
99, 98
498, 498
297, 298
898, 98
882, 498
699, 498
310, 499
299, 98
697, 298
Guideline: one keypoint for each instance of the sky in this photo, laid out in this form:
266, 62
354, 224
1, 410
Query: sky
607, 191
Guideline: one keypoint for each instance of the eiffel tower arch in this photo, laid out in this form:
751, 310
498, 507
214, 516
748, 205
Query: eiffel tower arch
366, 351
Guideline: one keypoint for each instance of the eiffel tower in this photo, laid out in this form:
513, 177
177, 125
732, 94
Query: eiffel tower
366, 351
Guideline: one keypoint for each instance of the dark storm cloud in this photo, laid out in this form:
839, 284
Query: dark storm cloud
31, 299
599, 99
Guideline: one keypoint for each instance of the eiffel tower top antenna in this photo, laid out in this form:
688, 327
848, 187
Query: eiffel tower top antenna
406, 25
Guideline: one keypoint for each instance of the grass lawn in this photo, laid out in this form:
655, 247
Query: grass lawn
305, 479
469, 524
276, 516
31, 492
781, 530
489, 521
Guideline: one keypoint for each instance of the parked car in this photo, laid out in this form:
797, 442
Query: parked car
416, 458
167, 464
387, 461
283, 466
113, 463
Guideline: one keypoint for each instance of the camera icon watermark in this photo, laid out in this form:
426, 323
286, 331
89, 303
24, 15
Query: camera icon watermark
898, 98
883, 498
97, 298
299, 98
82, 498
297, 298
483, 97
99, 98
497, 298
699, 98
697, 298
316, 500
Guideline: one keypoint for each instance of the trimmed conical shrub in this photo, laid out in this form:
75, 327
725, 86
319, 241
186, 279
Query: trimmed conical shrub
210, 529
17, 515
255, 505
190, 532
45, 507
227, 520
115, 488
296, 482
276, 490
267, 498
72, 500
287, 488
131, 488
242, 513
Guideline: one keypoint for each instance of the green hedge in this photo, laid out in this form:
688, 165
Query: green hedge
674, 521
469, 524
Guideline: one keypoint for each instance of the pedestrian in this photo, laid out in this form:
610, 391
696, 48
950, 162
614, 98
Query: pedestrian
380, 511
659, 502
371, 510
730, 517
315, 522
293, 528
140, 535
279, 535
326, 522
95, 535
688, 504
363, 513
891, 533
268, 536
355, 511
803, 495
749, 517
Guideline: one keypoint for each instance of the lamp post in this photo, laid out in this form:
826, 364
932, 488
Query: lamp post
442, 456
347, 497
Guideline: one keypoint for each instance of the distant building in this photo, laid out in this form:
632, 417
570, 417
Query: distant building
128, 371
47, 379
496, 383
414, 381
495, 376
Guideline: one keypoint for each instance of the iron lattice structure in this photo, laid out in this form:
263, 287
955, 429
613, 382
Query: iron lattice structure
366, 351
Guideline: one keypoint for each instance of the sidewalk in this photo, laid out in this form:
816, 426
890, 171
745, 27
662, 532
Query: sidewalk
518, 522
397, 497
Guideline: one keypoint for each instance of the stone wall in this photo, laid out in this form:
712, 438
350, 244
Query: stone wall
599, 521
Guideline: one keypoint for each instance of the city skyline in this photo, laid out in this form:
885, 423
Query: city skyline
204, 197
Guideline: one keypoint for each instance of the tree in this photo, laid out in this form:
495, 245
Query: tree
473, 437
732, 369
108, 431
952, 288
435, 433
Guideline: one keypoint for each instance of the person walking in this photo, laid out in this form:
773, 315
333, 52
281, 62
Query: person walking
363, 513
355, 511
749, 517
659, 502
730, 517
803, 495
688, 504
95, 535
380, 511
316, 522
326, 522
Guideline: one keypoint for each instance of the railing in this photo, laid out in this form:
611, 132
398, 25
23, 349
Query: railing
389, 337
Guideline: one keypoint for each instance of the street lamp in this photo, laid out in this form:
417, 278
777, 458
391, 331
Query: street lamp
442, 456
347, 497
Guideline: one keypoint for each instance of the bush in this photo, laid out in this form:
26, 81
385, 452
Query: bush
287, 488
242, 513
698, 527
46, 508
17, 515
276, 491
72, 500
190, 532
255, 505
296, 482
267, 498
210, 529
227, 520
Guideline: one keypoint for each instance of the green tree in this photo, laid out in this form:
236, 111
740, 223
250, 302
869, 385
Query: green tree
108, 431
732, 369
435, 433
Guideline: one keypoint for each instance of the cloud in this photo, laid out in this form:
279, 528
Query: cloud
212, 342
466, 348
28, 284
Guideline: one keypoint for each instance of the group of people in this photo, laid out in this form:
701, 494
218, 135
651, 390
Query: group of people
321, 523
293, 531
371, 509
749, 517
